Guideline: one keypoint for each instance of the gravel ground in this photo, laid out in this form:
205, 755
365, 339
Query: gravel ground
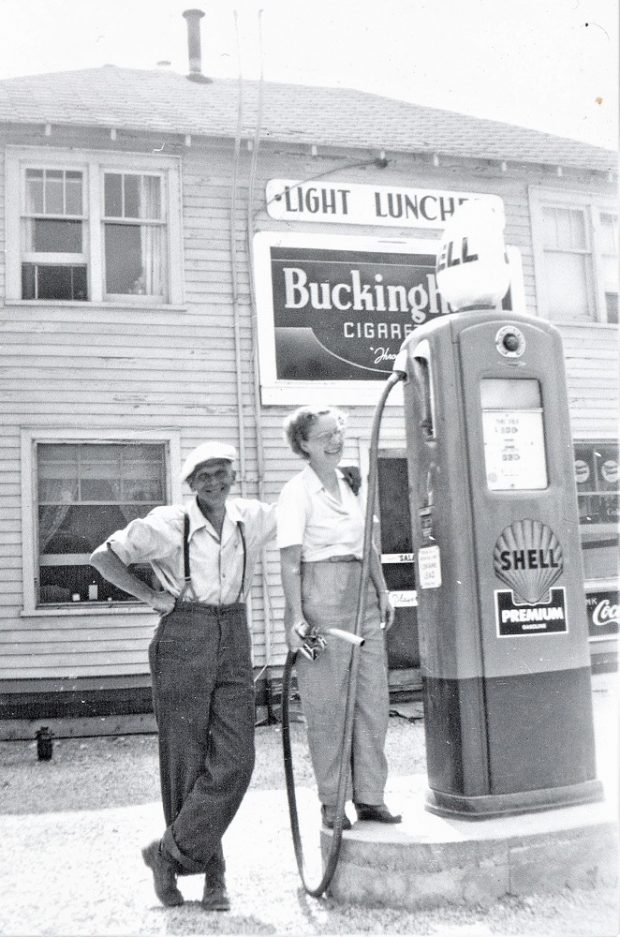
72, 829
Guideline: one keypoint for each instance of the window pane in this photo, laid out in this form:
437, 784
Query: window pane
58, 490
550, 230
29, 281
58, 452
128, 195
152, 197
578, 230
144, 490
134, 259
59, 583
54, 192
142, 453
567, 286
100, 489
55, 282
611, 305
106, 452
99, 469
69, 477
609, 267
113, 195
34, 190
55, 237
564, 228
73, 193
609, 234
132, 196
123, 258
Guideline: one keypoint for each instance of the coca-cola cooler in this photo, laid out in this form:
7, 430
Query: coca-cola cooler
596, 477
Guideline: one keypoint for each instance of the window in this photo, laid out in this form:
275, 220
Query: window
576, 256
53, 257
567, 263
84, 493
96, 228
134, 233
609, 263
596, 474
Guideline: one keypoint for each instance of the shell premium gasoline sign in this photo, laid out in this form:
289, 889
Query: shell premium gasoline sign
528, 558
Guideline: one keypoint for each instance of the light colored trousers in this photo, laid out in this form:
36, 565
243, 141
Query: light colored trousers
329, 600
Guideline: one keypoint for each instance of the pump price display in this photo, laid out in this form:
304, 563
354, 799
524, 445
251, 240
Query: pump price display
513, 434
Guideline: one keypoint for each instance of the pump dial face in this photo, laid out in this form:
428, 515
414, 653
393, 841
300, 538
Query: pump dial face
510, 341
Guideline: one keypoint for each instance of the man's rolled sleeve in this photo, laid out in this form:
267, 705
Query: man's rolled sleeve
143, 539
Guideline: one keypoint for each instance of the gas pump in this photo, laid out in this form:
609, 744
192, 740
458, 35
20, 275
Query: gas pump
501, 603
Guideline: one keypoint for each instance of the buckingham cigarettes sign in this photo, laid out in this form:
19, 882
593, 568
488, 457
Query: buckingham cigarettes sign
337, 309
342, 203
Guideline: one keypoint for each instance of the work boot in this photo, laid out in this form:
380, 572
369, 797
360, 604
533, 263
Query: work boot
215, 897
164, 875
378, 813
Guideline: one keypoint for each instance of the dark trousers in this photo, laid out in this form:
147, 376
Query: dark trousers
203, 697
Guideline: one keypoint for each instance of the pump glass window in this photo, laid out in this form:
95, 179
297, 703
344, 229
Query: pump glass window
513, 434
85, 493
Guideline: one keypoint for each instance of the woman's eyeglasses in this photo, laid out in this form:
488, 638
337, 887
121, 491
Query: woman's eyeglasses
327, 435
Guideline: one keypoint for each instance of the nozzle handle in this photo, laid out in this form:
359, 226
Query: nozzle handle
347, 636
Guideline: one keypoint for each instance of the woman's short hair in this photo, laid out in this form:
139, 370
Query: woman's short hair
297, 425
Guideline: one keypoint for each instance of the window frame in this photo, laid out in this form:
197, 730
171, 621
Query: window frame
30, 438
94, 165
593, 206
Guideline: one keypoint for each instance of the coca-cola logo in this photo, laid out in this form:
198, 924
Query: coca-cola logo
605, 613
582, 471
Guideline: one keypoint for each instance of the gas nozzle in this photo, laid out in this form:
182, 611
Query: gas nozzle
314, 641
347, 636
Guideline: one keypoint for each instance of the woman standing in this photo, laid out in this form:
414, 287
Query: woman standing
321, 536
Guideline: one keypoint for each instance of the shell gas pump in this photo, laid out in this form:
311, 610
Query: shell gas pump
501, 617
501, 605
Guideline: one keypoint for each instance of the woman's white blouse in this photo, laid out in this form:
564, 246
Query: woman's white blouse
309, 516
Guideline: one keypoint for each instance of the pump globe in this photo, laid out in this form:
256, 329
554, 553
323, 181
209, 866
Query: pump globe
472, 266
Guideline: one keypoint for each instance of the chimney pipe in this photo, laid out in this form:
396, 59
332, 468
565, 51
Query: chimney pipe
193, 18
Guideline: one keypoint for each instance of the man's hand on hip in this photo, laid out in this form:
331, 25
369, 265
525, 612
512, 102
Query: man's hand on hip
162, 602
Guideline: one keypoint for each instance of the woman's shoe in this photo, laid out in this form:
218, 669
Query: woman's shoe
328, 815
378, 813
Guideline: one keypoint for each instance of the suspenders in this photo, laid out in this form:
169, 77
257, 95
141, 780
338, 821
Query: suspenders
186, 571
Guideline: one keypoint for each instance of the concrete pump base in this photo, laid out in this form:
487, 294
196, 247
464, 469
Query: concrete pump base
430, 860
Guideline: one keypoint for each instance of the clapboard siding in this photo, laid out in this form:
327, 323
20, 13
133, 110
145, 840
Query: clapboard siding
118, 368
592, 374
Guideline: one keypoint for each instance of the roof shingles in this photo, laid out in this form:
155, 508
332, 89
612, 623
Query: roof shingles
166, 102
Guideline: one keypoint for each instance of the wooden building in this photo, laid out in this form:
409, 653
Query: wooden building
186, 259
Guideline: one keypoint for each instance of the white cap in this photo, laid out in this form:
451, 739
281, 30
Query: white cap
204, 453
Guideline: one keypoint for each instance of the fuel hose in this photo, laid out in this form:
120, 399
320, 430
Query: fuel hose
345, 754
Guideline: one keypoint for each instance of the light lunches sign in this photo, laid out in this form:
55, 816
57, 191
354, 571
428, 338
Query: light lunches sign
334, 311
343, 203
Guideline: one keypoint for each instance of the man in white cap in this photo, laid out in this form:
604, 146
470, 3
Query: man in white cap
203, 555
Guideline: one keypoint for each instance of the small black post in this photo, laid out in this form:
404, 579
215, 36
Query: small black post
45, 744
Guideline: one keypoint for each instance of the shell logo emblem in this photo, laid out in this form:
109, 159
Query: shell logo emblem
528, 558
